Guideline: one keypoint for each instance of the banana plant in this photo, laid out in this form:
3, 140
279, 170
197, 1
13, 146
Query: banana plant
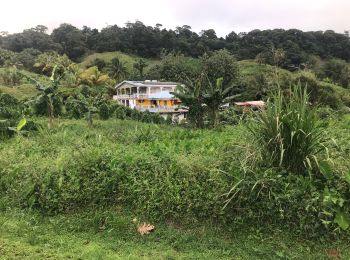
48, 93
19, 127
216, 95
191, 97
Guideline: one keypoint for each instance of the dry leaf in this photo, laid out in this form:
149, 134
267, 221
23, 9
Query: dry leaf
333, 253
145, 228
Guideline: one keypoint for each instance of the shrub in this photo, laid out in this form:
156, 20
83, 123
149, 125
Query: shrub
319, 93
120, 112
104, 111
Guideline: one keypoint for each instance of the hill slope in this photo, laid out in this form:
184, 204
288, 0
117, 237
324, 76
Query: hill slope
128, 59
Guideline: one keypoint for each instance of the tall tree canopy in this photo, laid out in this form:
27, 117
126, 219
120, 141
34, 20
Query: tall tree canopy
149, 41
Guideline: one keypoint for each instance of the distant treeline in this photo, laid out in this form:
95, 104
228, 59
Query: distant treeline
149, 42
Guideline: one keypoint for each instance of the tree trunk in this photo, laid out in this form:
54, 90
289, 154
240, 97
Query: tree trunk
214, 117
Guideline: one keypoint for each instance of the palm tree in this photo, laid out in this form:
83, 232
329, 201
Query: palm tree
214, 96
191, 97
118, 70
93, 77
140, 65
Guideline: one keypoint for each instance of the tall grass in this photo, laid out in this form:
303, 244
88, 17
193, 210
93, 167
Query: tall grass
288, 131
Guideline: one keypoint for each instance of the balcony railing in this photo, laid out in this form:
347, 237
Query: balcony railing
140, 95
157, 109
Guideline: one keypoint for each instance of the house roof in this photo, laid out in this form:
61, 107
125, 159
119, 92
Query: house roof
162, 95
147, 83
258, 103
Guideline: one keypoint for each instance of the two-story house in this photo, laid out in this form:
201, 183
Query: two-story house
151, 95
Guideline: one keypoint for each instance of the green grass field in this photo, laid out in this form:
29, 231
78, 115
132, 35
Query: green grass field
25, 235
95, 232
20, 92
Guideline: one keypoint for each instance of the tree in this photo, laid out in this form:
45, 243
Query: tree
177, 67
35, 38
117, 69
140, 65
221, 64
214, 96
46, 61
191, 97
71, 39
99, 63
26, 58
336, 70
6, 56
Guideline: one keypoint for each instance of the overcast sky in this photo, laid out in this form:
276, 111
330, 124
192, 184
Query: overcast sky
223, 16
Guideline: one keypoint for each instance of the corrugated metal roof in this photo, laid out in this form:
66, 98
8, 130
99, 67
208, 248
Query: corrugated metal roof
258, 103
162, 95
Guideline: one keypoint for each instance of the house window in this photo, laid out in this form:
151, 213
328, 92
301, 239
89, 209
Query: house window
165, 103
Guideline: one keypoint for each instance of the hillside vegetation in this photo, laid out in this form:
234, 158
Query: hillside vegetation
83, 170
128, 59
96, 181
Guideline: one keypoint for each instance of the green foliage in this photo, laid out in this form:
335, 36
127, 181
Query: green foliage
11, 118
5, 56
221, 64
191, 96
165, 172
104, 111
10, 77
288, 131
26, 58
95, 235
99, 63
86, 104
93, 77
117, 69
49, 101
47, 61
71, 39
140, 66
10, 107
214, 97
177, 67
319, 93
337, 70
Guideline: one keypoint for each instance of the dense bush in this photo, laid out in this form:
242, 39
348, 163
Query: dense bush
167, 173
319, 93
146, 175
11, 112
104, 111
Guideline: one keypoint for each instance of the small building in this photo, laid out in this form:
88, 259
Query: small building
152, 95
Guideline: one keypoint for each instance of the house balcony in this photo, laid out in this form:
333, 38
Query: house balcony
130, 96
158, 109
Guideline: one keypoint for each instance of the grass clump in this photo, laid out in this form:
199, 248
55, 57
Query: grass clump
289, 132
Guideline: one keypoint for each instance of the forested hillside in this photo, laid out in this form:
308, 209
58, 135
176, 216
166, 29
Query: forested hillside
150, 41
